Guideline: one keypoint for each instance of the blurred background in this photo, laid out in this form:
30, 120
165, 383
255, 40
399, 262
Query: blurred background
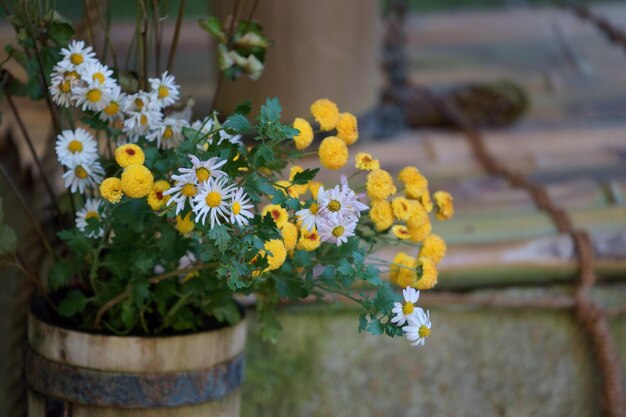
543, 87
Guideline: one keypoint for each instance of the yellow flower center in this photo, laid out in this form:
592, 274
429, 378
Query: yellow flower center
202, 174
98, 76
163, 91
408, 308
213, 199
236, 208
338, 231
112, 108
143, 120
189, 190
76, 59
71, 75
75, 146
80, 172
423, 331
168, 132
92, 215
65, 86
334, 206
313, 208
139, 103
94, 95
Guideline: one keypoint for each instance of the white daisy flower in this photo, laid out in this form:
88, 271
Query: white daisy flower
239, 208
351, 199
97, 73
138, 124
404, 311
77, 54
113, 109
92, 96
75, 147
80, 176
224, 136
203, 170
336, 229
92, 210
213, 199
309, 216
168, 134
333, 201
140, 101
61, 88
419, 327
165, 89
184, 189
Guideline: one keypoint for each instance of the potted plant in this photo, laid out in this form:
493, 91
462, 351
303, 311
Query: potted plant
175, 219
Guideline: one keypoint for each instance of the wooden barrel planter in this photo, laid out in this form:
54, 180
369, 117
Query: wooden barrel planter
71, 373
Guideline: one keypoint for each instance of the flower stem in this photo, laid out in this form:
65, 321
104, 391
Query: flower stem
179, 21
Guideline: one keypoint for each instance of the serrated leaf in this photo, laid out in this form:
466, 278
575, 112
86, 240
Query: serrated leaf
270, 111
59, 274
213, 26
375, 327
304, 177
73, 304
244, 108
237, 122
60, 32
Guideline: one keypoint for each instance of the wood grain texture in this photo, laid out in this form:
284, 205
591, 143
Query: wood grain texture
136, 354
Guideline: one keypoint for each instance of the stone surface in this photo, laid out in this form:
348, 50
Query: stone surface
479, 362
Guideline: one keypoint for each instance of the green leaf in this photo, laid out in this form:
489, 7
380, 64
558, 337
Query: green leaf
17, 54
270, 111
60, 273
219, 234
78, 243
213, 26
244, 108
8, 240
304, 177
60, 32
73, 304
238, 123
375, 327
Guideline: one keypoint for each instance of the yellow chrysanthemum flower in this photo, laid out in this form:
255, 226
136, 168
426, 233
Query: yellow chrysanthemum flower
365, 162
400, 231
333, 153
403, 208
156, 199
347, 128
305, 137
418, 233
426, 202
185, 225
289, 233
137, 181
277, 255
314, 187
444, 208
426, 273
402, 271
434, 248
309, 241
130, 154
379, 185
415, 183
279, 214
326, 113
381, 214
111, 189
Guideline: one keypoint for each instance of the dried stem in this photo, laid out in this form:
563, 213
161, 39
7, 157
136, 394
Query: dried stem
28, 212
157, 36
106, 27
174, 45
29, 142
88, 24
21, 265
152, 280
142, 42
251, 15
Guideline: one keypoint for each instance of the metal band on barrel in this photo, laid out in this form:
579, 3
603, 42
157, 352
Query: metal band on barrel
133, 390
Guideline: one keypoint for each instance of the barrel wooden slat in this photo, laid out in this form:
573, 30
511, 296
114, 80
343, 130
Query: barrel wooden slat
91, 375
136, 354
226, 407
